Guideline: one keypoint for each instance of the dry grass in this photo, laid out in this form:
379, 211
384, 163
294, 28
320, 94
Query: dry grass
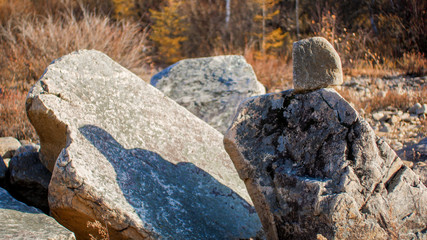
28, 44
272, 71
13, 119
413, 64
102, 230
402, 101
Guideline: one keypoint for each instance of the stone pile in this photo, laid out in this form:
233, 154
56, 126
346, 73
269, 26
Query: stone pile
129, 160
315, 169
211, 88
123, 154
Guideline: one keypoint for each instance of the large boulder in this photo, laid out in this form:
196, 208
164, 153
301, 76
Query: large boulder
29, 180
314, 168
211, 88
316, 64
19, 221
125, 155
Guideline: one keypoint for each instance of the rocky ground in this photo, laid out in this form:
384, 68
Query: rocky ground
400, 124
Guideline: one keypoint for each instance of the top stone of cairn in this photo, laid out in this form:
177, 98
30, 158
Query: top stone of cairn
316, 64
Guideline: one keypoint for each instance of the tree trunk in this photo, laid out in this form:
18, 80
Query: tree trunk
227, 12
297, 18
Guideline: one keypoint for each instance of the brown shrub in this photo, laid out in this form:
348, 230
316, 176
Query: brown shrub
14, 121
402, 101
274, 72
28, 44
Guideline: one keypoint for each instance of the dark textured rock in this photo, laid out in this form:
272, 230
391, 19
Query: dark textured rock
313, 166
28, 147
211, 88
29, 180
131, 158
316, 64
3, 171
19, 221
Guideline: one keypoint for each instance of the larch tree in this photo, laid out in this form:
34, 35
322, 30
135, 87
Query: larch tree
270, 38
123, 9
168, 31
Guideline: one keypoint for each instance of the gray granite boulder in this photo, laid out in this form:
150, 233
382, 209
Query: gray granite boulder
8, 146
316, 64
19, 221
131, 158
211, 88
29, 180
313, 166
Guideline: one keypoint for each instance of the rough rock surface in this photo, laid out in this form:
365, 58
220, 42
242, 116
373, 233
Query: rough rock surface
132, 158
3, 170
30, 147
29, 180
19, 221
316, 64
8, 146
313, 166
211, 88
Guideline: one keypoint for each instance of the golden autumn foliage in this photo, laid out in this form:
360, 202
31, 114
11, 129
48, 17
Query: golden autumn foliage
168, 31
123, 9
270, 39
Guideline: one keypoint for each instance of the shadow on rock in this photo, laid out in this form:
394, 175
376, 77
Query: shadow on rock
174, 200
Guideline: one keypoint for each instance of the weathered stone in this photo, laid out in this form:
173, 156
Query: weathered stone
3, 170
316, 64
19, 221
211, 88
29, 180
132, 158
416, 152
377, 116
29, 147
8, 146
417, 109
313, 166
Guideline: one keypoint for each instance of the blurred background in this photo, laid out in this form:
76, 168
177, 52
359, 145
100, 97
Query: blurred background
374, 38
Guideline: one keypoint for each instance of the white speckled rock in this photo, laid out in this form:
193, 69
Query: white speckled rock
19, 221
211, 88
316, 64
128, 156
313, 166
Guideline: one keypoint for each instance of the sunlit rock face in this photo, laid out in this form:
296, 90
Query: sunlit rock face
129, 157
316, 64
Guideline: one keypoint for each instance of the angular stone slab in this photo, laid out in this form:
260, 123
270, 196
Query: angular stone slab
211, 88
19, 221
131, 158
313, 166
316, 64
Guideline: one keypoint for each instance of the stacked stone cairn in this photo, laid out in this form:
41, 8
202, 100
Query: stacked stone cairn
314, 168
